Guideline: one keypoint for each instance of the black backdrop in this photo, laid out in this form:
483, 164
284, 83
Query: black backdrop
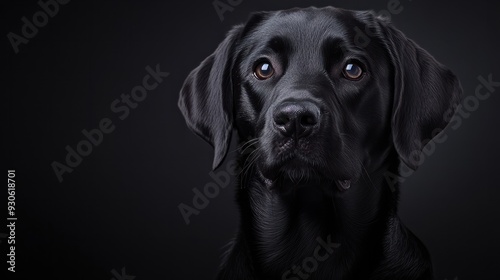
119, 207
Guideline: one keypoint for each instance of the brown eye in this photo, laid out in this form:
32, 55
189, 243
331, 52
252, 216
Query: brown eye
352, 71
263, 70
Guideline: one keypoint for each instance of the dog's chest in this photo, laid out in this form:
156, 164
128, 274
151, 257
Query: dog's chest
292, 237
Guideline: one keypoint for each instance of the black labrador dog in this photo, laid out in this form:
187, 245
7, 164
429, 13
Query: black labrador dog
326, 102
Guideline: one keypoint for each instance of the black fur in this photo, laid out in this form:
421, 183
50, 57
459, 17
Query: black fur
318, 174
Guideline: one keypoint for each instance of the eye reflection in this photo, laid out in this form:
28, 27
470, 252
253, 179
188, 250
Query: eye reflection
263, 70
352, 71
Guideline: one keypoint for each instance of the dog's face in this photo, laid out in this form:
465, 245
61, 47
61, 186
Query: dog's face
319, 92
317, 103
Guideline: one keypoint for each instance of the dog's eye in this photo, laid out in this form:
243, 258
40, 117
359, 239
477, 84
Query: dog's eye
353, 71
263, 70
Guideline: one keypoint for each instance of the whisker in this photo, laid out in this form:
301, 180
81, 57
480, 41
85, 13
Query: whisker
246, 145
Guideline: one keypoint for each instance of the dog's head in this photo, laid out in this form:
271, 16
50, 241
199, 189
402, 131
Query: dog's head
319, 91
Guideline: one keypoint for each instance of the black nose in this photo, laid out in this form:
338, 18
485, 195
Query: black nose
296, 118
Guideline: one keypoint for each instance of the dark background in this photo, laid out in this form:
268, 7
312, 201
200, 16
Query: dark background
119, 207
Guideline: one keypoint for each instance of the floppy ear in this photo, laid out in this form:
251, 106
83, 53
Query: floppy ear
425, 92
206, 100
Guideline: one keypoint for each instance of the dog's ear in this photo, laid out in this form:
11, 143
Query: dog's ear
206, 100
426, 94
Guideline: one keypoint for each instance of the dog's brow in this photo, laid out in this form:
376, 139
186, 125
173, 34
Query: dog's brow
334, 48
334, 44
278, 44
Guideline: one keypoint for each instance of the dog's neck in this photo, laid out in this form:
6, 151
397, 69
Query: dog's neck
290, 224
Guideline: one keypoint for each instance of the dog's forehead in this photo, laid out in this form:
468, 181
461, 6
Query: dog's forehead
311, 25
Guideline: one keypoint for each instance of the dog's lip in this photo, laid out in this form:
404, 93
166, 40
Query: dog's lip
285, 157
295, 159
286, 163
271, 175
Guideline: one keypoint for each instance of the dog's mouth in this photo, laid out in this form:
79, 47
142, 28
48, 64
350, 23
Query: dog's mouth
297, 167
